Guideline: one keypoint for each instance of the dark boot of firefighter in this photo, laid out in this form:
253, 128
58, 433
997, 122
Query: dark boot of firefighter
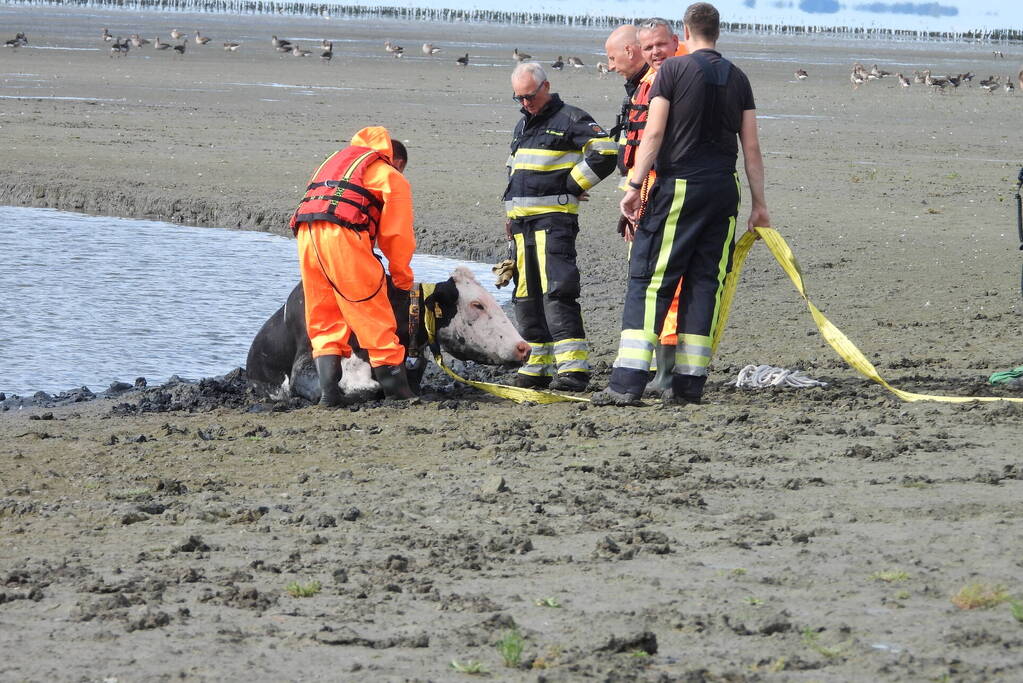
558, 152
394, 381
328, 368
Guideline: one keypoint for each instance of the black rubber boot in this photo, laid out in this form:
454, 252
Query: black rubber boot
328, 369
685, 389
523, 381
571, 381
393, 381
665, 364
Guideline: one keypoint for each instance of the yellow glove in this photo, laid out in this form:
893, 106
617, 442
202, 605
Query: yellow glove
505, 271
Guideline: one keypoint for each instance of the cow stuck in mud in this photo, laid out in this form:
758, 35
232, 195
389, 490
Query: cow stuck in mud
470, 326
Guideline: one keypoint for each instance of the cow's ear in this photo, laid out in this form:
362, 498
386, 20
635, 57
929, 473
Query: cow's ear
444, 299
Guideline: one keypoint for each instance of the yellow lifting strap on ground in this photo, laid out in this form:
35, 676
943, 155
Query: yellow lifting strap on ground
513, 393
834, 336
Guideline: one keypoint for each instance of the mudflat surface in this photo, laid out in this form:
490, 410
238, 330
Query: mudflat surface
766, 535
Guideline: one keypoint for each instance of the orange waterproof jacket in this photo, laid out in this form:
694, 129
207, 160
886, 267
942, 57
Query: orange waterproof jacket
394, 233
337, 193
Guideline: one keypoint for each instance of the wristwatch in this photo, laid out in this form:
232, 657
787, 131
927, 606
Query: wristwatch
634, 185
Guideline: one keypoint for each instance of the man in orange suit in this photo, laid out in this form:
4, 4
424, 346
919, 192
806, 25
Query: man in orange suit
356, 199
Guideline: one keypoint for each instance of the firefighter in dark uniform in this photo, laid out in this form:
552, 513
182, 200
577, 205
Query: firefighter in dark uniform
558, 153
699, 103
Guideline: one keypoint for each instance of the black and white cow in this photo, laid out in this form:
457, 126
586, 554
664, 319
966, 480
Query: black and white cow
471, 326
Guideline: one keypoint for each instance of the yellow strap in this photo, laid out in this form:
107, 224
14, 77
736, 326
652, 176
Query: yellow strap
834, 336
514, 393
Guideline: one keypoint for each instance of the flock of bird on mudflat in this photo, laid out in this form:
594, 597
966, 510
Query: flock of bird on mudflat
121, 47
857, 77
947, 83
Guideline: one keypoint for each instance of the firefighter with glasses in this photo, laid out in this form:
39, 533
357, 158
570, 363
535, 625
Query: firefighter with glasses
558, 152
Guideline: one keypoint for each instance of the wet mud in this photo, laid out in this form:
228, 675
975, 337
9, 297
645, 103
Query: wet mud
189, 531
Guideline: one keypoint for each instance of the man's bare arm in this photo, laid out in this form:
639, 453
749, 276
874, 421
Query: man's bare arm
754, 164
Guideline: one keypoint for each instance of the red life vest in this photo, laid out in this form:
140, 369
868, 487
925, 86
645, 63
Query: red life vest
336, 192
636, 122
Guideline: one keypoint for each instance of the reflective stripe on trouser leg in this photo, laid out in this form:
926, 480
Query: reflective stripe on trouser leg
693, 354
572, 355
655, 268
530, 285
541, 360
635, 350
709, 263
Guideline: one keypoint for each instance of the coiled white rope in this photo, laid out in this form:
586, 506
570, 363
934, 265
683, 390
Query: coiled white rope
760, 376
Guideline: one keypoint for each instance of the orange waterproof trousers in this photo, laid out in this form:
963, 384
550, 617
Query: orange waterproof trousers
668, 336
326, 250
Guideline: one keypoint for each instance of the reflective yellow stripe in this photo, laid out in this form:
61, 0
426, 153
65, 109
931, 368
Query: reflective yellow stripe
723, 262
545, 159
541, 257
667, 239
584, 176
520, 265
524, 211
604, 145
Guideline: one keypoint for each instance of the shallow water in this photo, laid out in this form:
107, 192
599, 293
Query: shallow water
91, 299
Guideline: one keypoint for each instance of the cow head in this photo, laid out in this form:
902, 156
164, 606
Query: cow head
471, 325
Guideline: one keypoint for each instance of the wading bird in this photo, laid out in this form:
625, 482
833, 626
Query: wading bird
520, 56
576, 62
558, 64
801, 74
200, 39
463, 61
429, 50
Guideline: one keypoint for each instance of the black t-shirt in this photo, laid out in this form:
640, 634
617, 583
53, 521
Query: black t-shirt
688, 150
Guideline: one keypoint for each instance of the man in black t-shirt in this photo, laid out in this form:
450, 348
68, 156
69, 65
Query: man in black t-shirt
699, 103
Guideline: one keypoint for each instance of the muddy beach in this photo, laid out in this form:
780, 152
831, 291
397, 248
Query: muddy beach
189, 532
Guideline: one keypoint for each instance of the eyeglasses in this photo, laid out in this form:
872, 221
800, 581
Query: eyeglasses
522, 98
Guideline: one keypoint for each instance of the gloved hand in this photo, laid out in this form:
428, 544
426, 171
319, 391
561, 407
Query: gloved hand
505, 272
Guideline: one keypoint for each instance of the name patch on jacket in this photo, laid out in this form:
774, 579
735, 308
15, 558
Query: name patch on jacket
595, 127
559, 133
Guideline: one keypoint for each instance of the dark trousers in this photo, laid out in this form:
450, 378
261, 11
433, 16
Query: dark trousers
546, 297
687, 233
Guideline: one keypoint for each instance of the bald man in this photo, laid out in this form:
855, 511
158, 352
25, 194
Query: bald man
624, 56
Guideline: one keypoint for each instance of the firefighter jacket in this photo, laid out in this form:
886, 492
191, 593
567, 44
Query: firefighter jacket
387, 195
556, 155
620, 127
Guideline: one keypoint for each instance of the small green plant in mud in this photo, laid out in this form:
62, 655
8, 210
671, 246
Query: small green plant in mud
812, 639
548, 602
1017, 610
471, 667
952, 176
889, 576
979, 595
510, 647
738, 571
639, 654
303, 590
902, 595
